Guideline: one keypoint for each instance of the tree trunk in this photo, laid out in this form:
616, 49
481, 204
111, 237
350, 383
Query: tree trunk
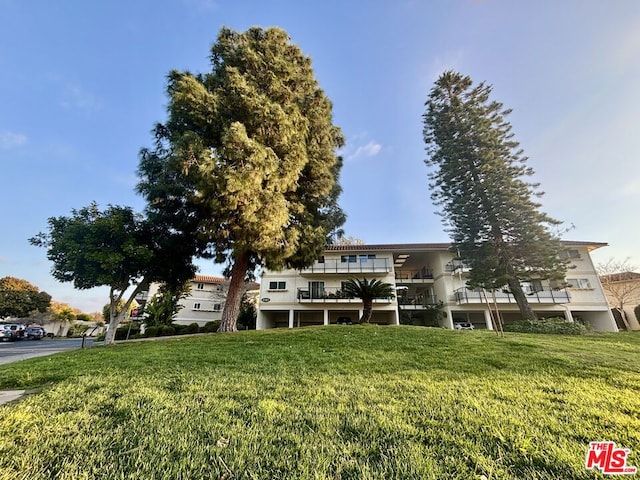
521, 300
623, 316
367, 310
116, 319
234, 295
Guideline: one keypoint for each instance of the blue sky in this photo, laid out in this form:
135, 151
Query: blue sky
83, 83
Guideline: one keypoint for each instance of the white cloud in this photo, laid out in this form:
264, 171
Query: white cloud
12, 140
77, 97
371, 149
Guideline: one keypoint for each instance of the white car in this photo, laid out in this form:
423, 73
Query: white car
463, 326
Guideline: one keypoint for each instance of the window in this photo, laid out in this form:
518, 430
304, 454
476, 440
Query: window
531, 286
200, 286
217, 307
321, 259
572, 254
277, 285
196, 306
579, 283
365, 258
348, 258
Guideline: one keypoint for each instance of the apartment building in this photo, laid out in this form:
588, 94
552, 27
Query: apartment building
423, 275
204, 301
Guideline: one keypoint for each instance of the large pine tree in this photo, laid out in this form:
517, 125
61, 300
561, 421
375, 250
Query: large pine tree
479, 181
246, 159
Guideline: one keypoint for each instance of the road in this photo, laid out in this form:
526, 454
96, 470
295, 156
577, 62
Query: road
23, 349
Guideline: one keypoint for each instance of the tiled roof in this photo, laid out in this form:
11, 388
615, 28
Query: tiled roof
389, 246
208, 279
620, 277
433, 246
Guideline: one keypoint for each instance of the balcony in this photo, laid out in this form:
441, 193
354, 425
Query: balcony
330, 295
417, 302
372, 265
466, 295
457, 266
424, 275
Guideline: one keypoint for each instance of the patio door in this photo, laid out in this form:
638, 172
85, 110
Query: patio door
316, 289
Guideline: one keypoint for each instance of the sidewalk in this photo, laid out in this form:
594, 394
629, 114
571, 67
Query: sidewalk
7, 396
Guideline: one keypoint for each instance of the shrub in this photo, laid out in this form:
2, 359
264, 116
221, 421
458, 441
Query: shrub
121, 332
211, 326
151, 331
553, 325
192, 328
166, 330
636, 311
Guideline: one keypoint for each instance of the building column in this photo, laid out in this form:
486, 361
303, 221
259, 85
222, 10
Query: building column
260, 321
291, 318
487, 319
396, 317
360, 312
326, 317
568, 315
449, 319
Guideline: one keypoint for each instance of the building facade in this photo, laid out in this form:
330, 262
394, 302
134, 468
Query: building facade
427, 277
204, 301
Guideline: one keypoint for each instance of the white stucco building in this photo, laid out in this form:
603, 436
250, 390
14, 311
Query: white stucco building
423, 275
204, 301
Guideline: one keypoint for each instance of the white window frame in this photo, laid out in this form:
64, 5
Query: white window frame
196, 306
579, 283
280, 285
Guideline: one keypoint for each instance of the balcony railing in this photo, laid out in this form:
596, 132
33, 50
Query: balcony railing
414, 275
455, 266
371, 265
466, 295
417, 301
331, 295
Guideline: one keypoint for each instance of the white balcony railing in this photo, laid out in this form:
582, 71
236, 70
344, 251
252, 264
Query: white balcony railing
466, 295
372, 265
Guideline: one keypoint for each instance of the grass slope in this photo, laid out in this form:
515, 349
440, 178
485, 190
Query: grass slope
325, 403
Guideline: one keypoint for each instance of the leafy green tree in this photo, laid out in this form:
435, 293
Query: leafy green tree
479, 182
367, 291
115, 248
19, 298
246, 161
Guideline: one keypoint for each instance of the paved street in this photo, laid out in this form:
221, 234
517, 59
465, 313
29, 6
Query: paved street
23, 349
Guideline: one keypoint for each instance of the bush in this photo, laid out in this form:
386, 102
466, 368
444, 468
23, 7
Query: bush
151, 331
553, 325
636, 311
166, 330
121, 332
210, 327
192, 328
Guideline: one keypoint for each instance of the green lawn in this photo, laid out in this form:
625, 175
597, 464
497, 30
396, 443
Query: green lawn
325, 403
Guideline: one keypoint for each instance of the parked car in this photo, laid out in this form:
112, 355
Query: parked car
463, 326
34, 333
17, 329
6, 334
344, 321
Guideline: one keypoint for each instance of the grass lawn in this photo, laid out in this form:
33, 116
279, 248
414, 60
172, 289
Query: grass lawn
325, 403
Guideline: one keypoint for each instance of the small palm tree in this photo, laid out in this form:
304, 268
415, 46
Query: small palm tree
366, 291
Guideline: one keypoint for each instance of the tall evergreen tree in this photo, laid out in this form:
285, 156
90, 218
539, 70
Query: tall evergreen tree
246, 160
480, 184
